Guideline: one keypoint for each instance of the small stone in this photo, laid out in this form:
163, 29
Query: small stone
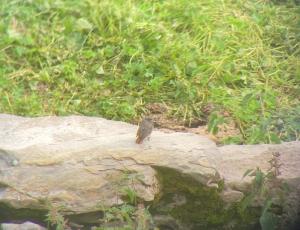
24, 226
231, 196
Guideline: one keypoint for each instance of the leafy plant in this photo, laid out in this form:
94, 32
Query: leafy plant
214, 121
265, 188
131, 214
131, 194
56, 219
127, 216
268, 220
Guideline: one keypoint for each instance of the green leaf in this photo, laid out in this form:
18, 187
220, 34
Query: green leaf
259, 176
274, 138
131, 194
268, 221
213, 123
267, 205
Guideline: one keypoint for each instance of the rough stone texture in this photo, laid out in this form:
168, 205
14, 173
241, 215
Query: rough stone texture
234, 160
82, 162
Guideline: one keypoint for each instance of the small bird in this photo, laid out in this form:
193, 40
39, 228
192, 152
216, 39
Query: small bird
144, 130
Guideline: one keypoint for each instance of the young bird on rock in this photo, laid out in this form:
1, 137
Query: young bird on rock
144, 130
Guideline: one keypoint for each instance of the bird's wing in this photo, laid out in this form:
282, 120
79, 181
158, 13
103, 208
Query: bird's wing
139, 130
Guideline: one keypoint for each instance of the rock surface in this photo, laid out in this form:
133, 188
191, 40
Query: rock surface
24, 226
83, 163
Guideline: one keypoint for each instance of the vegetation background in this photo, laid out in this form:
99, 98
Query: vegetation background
112, 58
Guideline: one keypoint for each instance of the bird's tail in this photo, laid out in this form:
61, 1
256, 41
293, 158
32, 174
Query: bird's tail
138, 140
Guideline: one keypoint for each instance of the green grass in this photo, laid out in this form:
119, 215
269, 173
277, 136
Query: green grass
111, 58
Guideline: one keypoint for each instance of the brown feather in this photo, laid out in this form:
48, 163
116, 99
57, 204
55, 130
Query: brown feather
138, 140
144, 130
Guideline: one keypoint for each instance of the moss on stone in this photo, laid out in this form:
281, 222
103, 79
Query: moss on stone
10, 214
202, 208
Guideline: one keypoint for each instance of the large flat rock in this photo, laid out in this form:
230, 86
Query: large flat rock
79, 161
82, 163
